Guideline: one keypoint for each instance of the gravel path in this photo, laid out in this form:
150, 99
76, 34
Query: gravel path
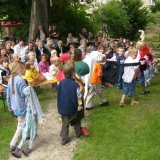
47, 143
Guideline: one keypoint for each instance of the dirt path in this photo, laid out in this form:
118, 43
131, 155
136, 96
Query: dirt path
47, 144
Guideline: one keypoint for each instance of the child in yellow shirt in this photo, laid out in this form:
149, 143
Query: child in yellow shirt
31, 73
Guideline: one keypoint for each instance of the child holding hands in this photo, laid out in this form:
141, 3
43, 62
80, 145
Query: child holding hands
129, 78
96, 80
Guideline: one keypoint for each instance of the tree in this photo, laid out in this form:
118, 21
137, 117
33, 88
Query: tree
39, 15
70, 17
123, 18
156, 7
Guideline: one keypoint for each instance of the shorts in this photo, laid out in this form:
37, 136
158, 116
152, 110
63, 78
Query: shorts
129, 88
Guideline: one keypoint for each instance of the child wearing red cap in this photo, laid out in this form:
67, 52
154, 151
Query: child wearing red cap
64, 58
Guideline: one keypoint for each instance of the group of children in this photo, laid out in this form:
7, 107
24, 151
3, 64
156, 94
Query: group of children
65, 69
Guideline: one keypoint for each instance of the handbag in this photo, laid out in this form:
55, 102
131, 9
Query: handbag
76, 117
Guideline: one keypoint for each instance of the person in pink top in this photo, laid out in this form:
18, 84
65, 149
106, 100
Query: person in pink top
43, 64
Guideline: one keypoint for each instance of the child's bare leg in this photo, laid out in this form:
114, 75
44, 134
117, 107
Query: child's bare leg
133, 101
121, 103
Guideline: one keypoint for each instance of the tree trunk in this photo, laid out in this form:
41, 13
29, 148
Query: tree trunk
39, 15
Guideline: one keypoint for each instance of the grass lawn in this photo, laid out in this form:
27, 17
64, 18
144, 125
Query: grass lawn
128, 133
123, 133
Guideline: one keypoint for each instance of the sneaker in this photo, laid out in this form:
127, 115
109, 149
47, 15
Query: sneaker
78, 135
104, 103
89, 108
12, 148
145, 92
65, 141
85, 131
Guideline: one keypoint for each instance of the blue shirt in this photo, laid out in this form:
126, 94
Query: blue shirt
16, 101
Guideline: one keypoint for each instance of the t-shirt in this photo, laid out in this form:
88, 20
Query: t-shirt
94, 77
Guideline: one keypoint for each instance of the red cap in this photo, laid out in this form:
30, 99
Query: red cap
64, 57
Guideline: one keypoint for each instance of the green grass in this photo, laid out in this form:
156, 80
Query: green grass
8, 123
123, 133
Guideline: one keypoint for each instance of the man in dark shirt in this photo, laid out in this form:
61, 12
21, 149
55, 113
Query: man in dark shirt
54, 34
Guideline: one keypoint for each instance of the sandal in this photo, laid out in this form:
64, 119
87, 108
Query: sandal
134, 102
121, 104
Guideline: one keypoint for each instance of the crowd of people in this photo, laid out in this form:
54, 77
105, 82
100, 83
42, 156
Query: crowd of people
46, 57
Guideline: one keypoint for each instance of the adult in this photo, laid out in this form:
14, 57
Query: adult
54, 34
120, 42
40, 50
9, 50
47, 39
84, 33
94, 47
111, 47
41, 33
100, 37
29, 48
59, 48
49, 48
18, 49
90, 37
71, 39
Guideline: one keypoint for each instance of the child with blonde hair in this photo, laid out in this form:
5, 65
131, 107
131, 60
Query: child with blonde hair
14, 57
53, 55
53, 69
32, 57
16, 99
129, 77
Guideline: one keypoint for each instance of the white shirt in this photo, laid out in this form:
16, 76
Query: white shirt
130, 70
19, 50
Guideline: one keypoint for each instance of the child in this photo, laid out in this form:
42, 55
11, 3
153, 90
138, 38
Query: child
149, 73
16, 99
53, 54
14, 57
53, 69
34, 112
142, 52
4, 74
120, 60
64, 58
32, 57
81, 69
68, 92
96, 80
31, 71
43, 64
129, 78
84, 51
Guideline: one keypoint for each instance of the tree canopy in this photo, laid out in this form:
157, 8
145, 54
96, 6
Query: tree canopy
123, 18
69, 15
